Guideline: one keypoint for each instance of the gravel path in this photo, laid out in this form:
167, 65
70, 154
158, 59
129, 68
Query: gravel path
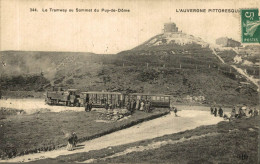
169, 124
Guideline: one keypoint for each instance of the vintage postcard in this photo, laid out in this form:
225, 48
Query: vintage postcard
127, 81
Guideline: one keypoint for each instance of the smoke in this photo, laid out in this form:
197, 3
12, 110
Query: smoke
24, 63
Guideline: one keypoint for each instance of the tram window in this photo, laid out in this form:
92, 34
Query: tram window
99, 98
153, 97
166, 98
157, 98
95, 98
162, 98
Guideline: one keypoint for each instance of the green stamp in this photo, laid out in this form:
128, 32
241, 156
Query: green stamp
250, 29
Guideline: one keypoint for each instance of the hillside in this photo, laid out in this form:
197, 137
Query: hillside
177, 64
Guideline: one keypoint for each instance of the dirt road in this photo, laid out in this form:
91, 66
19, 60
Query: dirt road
33, 105
169, 124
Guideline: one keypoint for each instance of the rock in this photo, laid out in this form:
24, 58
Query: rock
116, 118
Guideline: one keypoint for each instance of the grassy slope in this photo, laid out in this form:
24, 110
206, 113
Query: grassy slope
25, 133
86, 72
234, 140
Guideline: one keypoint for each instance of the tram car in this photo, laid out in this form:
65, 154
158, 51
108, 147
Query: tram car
157, 100
101, 99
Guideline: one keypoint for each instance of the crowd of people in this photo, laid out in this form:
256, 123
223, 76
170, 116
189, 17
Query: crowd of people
243, 112
142, 105
216, 112
132, 105
235, 113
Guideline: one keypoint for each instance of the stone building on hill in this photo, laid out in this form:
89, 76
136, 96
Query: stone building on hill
170, 27
227, 42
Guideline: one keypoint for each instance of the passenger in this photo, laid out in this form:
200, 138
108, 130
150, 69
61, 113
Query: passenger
220, 112
233, 113
142, 106
128, 106
106, 106
147, 107
90, 105
70, 143
215, 112
250, 112
75, 139
256, 112
86, 107
211, 110
240, 112
175, 111
137, 105
237, 112
132, 106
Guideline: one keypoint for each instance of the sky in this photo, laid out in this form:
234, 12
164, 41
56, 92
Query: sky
106, 33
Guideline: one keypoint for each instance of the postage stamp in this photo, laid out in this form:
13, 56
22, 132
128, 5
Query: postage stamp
250, 29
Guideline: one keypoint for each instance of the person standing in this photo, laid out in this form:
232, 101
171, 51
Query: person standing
90, 105
142, 106
255, 112
149, 106
128, 106
70, 142
220, 112
134, 105
131, 105
250, 112
86, 107
240, 113
211, 110
146, 106
215, 112
175, 111
75, 139
233, 113
137, 104
106, 106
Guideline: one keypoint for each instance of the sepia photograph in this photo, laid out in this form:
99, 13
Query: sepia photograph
127, 81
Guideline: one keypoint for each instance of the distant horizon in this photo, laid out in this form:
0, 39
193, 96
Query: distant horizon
107, 53
23, 29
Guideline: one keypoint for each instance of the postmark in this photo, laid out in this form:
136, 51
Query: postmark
250, 26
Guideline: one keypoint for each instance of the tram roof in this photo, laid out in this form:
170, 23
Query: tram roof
149, 94
93, 92
72, 89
